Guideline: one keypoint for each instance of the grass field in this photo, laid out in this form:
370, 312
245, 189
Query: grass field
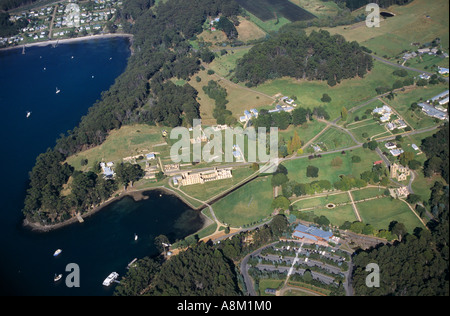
248, 30
367, 193
381, 212
306, 131
247, 204
349, 93
334, 138
318, 7
297, 168
206, 191
420, 21
321, 201
240, 98
338, 215
125, 142
369, 127
224, 65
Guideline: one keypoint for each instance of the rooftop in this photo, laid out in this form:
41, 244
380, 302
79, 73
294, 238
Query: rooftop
308, 232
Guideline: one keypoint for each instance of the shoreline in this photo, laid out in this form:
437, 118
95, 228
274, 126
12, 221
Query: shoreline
70, 40
137, 195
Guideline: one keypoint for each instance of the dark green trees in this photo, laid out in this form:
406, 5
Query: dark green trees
318, 56
128, 173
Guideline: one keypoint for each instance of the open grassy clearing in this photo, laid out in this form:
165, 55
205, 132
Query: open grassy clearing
127, 141
240, 98
208, 190
306, 131
369, 127
334, 138
321, 201
349, 93
361, 112
297, 168
246, 205
224, 65
249, 31
419, 21
381, 212
338, 215
318, 7
367, 193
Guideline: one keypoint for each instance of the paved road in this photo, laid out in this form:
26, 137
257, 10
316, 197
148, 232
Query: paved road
403, 67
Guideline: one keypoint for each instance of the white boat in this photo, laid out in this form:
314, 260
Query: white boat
135, 237
110, 279
57, 90
57, 252
28, 114
57, 277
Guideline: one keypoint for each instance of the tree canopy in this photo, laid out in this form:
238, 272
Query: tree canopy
319, 56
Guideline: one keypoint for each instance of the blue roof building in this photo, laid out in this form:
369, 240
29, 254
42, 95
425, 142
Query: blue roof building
312, 233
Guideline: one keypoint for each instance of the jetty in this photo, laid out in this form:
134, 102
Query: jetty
131, 263
80, 219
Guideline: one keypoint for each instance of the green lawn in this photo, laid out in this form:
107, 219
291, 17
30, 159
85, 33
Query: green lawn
349, 93
419, 21
297, 168
125, 142
246, 205
370, 127
321, 201
381, 212
338, 215
306, 131
366, 193
334, 138
208, 190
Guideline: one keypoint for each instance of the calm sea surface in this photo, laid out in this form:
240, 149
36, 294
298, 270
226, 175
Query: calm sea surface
105, 241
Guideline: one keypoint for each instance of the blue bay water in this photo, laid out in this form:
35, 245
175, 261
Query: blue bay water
105, 241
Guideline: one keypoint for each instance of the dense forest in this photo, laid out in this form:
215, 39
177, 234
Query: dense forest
8, 28
437, 151
144, 93
6, 5
319, 56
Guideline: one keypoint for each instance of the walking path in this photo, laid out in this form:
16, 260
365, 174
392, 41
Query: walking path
355, 209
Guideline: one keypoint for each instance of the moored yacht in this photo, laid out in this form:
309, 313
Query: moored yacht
110, 279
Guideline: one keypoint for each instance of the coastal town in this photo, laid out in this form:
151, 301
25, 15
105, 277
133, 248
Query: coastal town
63, 20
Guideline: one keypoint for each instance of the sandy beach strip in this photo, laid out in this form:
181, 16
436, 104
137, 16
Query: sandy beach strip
69, 40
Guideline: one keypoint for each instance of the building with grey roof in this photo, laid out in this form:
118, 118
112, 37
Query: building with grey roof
312, 233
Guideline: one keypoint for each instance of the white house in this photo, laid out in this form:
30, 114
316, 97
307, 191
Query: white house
443, 71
